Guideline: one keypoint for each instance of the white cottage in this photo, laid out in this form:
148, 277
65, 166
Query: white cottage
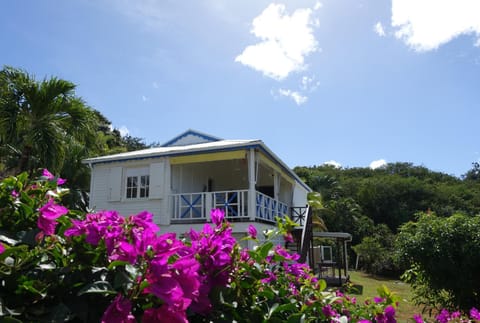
181, 181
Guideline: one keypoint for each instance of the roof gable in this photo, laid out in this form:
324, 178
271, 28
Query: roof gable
190, 137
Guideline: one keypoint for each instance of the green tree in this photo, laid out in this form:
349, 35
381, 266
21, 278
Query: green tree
39, 120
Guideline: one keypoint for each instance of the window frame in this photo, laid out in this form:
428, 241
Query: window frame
137, 184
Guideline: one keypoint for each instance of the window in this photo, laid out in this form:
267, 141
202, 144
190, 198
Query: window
138, 186
327, 255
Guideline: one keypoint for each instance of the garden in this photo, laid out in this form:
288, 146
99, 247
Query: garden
59, 265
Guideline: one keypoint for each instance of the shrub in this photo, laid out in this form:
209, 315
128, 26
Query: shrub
444, 256
59, 265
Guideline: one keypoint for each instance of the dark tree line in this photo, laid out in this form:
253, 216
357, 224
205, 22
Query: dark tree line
391, 195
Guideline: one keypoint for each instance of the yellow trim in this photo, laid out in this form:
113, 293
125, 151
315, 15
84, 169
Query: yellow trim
264, 160
198, 158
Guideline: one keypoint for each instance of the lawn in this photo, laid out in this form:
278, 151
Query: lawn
406, 308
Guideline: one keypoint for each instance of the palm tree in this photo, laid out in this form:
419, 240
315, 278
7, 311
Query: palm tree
39, 120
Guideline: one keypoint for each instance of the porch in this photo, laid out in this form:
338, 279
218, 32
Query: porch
196, 207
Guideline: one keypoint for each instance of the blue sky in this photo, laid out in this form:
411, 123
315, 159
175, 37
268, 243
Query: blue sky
340, 81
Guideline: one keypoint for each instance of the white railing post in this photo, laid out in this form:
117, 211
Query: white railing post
208, 205
252, 199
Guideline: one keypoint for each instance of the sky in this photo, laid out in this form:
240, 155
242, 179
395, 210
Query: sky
351, 83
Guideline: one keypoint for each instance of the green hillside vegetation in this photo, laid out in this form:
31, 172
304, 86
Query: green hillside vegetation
409, 220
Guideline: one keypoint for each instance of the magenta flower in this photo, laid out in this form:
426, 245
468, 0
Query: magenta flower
328, 311
61, 181
15, 194
271, 277
252, 231
244, 255
288, 237
124, 252
377, 299
51, 177
443, 317
418, 318
390, 314
47, 174
2, 248
77, 228
48, 214
281, 251
217, 216
119, 311
475, 314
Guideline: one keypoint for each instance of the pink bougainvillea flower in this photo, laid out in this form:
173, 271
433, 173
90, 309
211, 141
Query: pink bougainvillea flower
252, 231
15, 194
443, 317
124, 252
288, 237
377, 299
475, 314
418, 318
61, 181
47, 174
244, 255
217, 216
119, 311
48, 215
2, 248
144, 220
271, 277
390, 314
77, 228
329, 312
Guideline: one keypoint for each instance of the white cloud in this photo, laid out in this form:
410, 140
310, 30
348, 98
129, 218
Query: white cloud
294, 95
333, 163
144, 98
123, 131
155, 85
426, 24
308, 83
378, 28
286, 41
378, 163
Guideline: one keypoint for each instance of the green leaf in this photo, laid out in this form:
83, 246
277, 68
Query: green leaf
267, 293
98, 287
265, 249
322, 284
18, 252
117, 263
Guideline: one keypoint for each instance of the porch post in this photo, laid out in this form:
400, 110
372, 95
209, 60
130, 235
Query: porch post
252, 200
276, 185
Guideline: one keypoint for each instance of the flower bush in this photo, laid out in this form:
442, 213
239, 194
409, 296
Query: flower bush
62, 265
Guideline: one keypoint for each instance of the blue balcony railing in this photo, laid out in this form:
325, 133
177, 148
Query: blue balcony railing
188, 207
